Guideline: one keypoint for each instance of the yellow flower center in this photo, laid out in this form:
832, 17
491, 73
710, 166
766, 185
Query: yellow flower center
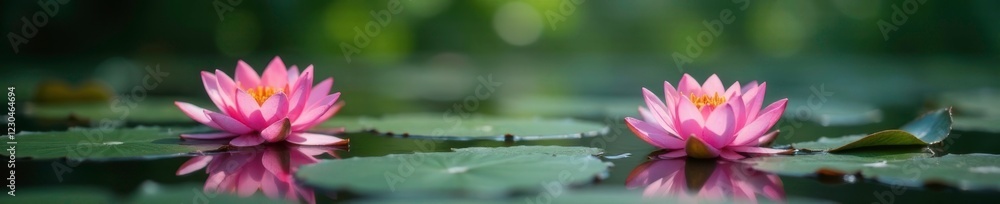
706, 100
262, 93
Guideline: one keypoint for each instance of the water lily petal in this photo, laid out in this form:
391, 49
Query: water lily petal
247, 140
227, 123
315, 139
653, 135
209, 136
297, 103
713, 86
754, 99
754, 130
275, 75
690, 120
671, 97
739, 112
193, 164
208, 80
329, 113
733, 91
688, 85
227, 91
661, 116
307, 73
311, 114
277, 131
275, 108
196, 113
767, 138
776, 106
720, 127
320, 89
246, 77
250, 110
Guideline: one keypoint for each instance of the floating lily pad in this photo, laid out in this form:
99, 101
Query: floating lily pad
548, 150
193, 193
967, 171
102, 144
451, 172
928, 129
454, 126
149, 110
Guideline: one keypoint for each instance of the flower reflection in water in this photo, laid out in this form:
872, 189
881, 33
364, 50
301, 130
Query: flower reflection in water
707, 180
267, 168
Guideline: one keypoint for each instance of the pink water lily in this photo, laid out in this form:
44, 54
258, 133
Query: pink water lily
279, 105
707, 120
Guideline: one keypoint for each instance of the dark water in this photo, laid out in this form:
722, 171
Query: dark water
124, 178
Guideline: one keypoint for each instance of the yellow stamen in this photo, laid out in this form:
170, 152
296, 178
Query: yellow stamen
712, 101
262, 93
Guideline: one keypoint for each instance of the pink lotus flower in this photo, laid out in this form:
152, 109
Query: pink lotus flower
268, 169
706, 180
707, 121
278, 106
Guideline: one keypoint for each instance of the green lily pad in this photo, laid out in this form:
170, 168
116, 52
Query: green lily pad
454, 126
548, 150
149, 110
451, 172
966, 171
103, 144
928, 129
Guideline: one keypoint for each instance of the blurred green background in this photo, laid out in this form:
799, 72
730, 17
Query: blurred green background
433, 50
